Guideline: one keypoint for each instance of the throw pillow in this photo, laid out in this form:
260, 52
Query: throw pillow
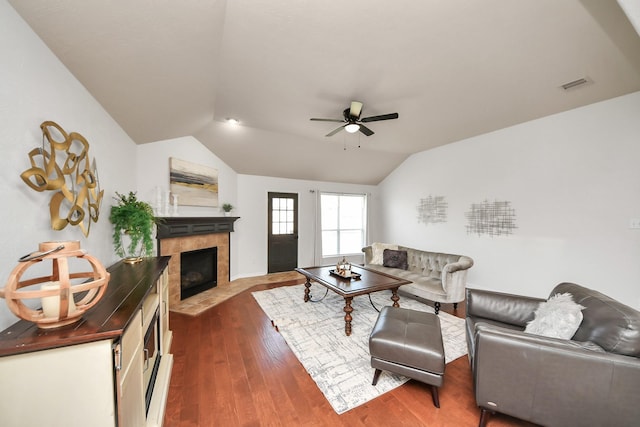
378, 251
558, 317
395, 259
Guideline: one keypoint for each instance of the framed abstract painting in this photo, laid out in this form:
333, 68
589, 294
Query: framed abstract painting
195, 185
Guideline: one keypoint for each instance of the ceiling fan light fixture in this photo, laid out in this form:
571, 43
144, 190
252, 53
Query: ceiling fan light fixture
231, 121
352, 127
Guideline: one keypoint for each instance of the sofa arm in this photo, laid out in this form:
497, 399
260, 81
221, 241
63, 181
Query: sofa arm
463, 263
506, 308
551, 382
368, 254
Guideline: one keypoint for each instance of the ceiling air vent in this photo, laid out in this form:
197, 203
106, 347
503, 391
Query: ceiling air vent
575, 83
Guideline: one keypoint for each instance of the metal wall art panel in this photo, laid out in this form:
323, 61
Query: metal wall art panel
492, 218
62, 165
432, 209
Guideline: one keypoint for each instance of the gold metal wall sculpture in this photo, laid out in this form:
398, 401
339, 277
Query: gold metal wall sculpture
63, 166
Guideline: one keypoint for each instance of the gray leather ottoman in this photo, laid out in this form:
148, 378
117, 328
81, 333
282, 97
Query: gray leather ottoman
409, 343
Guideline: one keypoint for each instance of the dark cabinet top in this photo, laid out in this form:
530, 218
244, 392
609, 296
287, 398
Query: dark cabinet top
128, 286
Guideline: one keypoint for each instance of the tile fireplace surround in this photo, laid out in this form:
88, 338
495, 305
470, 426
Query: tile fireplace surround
184, 234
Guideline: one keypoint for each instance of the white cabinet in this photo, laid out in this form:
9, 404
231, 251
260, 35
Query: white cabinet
94, 372
68, 386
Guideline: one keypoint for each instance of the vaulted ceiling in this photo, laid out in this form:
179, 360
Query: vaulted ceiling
451, 69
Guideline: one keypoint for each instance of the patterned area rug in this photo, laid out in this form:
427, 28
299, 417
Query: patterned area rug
340, 365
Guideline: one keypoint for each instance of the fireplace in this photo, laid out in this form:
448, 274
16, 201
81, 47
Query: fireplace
198, 271
186, 234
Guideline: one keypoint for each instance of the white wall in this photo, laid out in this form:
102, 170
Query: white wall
35, 87
574, 181
153, 172
248, 194
252, 226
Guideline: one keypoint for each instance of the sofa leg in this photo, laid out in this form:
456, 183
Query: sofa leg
484, 417
376, 375
437, 307
455, 305
434, 396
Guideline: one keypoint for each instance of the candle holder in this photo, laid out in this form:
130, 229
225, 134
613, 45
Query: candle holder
58, 291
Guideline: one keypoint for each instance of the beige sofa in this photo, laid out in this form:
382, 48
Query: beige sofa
437, 277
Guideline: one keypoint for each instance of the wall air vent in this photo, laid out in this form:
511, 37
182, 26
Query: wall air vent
575, 83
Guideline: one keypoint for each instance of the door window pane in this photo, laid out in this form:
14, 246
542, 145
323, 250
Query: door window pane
282, 216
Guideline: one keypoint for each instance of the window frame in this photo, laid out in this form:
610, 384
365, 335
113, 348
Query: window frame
363, 230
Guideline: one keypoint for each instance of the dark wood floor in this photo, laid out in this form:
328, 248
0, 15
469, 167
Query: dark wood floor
232, 368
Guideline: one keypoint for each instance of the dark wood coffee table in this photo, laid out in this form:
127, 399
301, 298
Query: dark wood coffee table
368, 282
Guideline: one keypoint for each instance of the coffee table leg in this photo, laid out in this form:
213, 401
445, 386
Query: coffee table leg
394, 297
307, 291
347, 317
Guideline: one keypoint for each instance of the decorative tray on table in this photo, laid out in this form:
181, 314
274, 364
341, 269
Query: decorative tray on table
346, 274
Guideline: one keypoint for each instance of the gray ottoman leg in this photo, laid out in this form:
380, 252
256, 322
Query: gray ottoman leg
376, 375
434, 395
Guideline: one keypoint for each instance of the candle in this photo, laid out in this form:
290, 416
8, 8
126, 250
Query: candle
175, 205
158, 201
51, 305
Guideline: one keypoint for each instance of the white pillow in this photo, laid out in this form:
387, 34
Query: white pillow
378, 251
558, 317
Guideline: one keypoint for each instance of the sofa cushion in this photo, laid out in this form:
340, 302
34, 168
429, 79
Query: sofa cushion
394, 259
377, 252
558, 317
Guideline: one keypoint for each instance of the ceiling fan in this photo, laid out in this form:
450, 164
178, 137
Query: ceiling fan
353, 122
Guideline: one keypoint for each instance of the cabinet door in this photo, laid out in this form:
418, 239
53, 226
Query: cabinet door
163, 289
67, 386
129, 361
132, 406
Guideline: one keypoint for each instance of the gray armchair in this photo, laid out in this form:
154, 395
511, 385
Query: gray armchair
592, 379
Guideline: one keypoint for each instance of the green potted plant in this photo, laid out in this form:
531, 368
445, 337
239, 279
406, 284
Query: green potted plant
227, 208
134, 219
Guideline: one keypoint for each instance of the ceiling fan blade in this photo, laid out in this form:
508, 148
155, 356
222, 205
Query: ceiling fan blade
327, 120
356, 109
333, 132
366, 130
380, 117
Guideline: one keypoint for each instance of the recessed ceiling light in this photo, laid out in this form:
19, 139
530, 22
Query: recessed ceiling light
232, 121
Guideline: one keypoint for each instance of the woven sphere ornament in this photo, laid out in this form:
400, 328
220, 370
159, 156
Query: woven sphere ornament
64, 295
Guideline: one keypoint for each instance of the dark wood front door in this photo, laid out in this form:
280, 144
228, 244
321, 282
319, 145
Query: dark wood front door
283, 232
